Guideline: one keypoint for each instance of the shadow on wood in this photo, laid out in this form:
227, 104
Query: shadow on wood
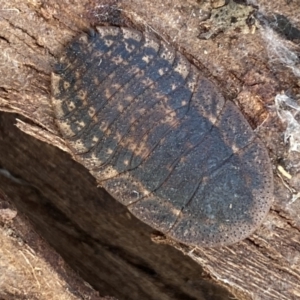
96, 235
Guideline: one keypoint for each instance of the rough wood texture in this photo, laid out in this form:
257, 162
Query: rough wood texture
238, 52
30, 269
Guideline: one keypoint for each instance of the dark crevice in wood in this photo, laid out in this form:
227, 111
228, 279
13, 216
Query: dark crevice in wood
89, 228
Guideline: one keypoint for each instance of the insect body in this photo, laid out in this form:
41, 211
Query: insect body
160, 137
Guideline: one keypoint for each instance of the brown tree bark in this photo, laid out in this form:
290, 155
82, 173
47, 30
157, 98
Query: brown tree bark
231, 43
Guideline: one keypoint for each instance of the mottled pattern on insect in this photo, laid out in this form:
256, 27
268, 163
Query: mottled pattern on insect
160, 138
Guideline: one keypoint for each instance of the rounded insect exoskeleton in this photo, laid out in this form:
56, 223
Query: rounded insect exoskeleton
160, 137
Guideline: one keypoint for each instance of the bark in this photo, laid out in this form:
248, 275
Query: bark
30, 269
235, 48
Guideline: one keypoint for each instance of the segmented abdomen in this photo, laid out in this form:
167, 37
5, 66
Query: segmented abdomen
160, 137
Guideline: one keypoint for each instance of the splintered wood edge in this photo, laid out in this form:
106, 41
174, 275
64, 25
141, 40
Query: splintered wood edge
42, 135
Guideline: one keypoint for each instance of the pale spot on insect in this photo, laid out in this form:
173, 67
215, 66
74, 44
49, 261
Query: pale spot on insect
66, 85
91, 111
108, 93
120, 107
108, 43
77, 75
146, 58
117, 60
71, 105
161, 71
174, 86
95, 139
82, 94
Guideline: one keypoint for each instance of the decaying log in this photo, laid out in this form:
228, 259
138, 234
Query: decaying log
247, 52
30, 269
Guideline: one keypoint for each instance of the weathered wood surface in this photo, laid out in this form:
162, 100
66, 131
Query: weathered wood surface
30, 268
231, 48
